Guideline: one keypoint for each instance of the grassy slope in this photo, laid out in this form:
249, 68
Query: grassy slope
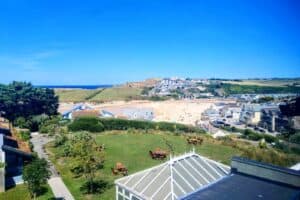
254, 89
132, 150
20, 192
111, 94
75, 95
279, 82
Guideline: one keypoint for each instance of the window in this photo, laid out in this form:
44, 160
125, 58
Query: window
134, 198
120, 190
126, 193
120, 197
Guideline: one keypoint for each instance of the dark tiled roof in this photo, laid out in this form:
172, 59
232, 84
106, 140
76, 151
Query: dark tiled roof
253, 180
241, 186
16, 151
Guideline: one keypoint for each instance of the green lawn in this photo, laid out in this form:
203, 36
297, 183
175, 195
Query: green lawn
132, 150
20, 192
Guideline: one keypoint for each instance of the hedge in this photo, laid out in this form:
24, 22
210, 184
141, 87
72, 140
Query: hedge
123, 124
91, 124
94, 124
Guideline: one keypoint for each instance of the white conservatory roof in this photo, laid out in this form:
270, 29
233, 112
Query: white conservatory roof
175, 178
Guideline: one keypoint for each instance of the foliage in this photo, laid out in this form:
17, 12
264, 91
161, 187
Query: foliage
60, 139
2, 165
264, 99
87, 160
132, 150
95, 186
91, 124
146, 90
21, 123
21, 99
24, 135
268, 156
295, 138
35, 174
20, 192
252, 89
53, 125
123, 124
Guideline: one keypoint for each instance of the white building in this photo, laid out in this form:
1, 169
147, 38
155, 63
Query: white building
171, 180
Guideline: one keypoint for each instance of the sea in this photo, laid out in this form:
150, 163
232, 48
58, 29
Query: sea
86, 87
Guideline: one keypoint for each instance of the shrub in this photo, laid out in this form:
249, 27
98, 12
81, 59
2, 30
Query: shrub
91, 124
21, 123
60, 140
95, 186
295, 138
123, 124
30, 146
24, 135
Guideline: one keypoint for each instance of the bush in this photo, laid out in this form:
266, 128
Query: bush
21, 123
24, 135
91, 124
123, 124
295, 138
251, 135
95, 186
60, 140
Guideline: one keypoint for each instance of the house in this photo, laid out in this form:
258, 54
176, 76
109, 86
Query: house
85, 113
272, 120
251, 114
106, 114
69, 114
231, 113
171, 180
13, 158
250, 180
210, 114
138, 113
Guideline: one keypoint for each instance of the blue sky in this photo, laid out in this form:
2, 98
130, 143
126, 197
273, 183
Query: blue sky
110, 41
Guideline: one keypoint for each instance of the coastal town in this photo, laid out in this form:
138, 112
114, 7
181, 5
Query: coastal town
149, 100
266, 122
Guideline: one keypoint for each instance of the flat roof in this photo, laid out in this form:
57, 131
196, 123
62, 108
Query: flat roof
241, 186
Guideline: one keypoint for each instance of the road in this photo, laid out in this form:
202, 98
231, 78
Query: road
56, 183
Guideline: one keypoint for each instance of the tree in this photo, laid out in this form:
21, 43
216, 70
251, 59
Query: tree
87, 160
35, 174
21, 99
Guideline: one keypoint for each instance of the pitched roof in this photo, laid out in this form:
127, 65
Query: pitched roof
83, 113
174, 178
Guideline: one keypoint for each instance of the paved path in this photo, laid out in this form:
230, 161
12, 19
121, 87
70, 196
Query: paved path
57, 185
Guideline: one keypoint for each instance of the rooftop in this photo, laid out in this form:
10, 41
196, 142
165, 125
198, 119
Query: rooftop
252, 180
174, 178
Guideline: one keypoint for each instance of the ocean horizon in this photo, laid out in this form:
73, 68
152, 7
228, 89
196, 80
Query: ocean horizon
87, 87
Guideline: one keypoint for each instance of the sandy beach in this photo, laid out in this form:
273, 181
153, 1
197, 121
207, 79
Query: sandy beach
179, 111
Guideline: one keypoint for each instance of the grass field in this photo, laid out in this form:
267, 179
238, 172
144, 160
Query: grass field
132, 150
99, 95
273, 82
74, 95
20, 192
124, 93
